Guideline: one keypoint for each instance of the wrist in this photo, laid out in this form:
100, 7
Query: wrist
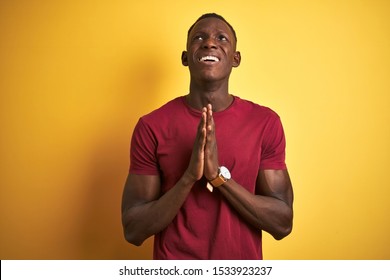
212, 177
222, 177
188, 178
213, 172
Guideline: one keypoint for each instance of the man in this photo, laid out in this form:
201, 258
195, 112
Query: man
208, 140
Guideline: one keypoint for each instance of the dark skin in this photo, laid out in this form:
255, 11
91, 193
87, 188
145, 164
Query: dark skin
145, 212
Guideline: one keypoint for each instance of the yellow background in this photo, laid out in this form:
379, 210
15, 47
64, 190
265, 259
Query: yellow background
75, 76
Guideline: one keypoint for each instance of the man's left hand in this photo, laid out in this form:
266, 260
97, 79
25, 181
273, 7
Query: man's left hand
211, 151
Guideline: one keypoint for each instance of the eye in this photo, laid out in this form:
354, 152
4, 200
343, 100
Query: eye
198, 38
222, 38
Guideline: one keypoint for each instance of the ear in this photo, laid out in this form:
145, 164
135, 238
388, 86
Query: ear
184, 58
236, 59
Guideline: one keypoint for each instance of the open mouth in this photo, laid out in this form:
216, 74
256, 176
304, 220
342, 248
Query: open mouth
209, 58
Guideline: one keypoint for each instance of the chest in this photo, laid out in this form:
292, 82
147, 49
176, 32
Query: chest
238, 142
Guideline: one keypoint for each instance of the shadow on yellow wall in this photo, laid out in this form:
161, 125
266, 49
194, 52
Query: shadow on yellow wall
101, 211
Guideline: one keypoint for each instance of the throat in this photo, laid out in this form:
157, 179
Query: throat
219, 101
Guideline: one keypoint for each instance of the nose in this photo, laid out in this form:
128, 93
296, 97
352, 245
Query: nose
209, 43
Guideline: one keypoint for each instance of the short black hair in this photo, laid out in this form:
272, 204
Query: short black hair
213, 15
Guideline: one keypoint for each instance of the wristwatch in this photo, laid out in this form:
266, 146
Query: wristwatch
223, 176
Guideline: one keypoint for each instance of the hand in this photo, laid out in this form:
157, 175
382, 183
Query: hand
195, 168
210, 150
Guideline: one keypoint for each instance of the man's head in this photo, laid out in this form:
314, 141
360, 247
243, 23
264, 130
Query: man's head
212, 15
211, 48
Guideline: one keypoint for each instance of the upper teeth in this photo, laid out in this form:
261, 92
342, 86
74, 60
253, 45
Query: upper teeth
209, 57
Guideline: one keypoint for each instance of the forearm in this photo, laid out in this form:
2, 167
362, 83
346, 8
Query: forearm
263, 212
146, 219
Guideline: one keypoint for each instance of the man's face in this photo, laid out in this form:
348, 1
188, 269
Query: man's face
211, 50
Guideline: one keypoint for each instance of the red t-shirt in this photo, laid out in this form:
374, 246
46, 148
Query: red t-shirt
249, 137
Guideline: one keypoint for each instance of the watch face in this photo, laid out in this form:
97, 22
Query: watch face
225, 172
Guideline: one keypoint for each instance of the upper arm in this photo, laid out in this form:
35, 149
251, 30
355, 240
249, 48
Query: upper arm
276, 184
140, 189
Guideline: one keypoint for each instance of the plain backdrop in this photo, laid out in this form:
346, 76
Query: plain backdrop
75, 76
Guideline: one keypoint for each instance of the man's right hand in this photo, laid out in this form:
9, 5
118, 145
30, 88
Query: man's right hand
196, 166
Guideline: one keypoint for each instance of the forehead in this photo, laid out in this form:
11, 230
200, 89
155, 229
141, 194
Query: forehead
211, 24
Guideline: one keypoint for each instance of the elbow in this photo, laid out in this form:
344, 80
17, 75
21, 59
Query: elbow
282, 232
134, 239
131, 231
135, 242
285, 228
132, 235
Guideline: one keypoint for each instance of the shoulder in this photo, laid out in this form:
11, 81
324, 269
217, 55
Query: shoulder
255, 110
164, 112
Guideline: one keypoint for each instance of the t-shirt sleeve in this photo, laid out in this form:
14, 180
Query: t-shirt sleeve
273, 146
143, 159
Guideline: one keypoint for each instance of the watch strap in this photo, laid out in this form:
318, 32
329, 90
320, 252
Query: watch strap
217, 182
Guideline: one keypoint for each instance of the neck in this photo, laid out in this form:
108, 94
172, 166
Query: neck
211, 93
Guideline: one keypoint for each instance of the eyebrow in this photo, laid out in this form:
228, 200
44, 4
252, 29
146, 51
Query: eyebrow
219, 31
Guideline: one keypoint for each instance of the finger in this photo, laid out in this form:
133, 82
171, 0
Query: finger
203, 121
210, 120
209, 113
201, 135
209, 117
210, 107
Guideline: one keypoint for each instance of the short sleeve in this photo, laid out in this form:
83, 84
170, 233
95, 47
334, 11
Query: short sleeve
273, 146
143, 148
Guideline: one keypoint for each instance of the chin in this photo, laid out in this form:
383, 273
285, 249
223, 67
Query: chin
210, 77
